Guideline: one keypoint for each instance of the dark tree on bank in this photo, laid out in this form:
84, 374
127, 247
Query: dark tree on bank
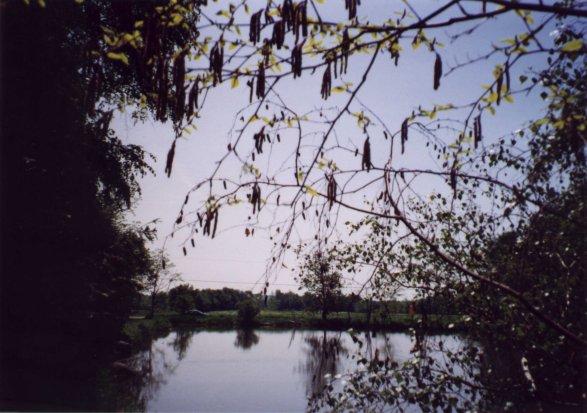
70, 265
247, 312
322, 280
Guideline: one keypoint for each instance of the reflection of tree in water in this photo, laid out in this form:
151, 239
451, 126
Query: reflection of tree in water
323, 356
246, 338
182, 341
140, 377
377, 346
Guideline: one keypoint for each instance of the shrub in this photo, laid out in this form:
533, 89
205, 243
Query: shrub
247, 312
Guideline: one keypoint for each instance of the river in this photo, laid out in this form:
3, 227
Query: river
249, 370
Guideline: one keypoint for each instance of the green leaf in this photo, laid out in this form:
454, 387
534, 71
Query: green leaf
234, 82
118, 56
311, 190
572, 46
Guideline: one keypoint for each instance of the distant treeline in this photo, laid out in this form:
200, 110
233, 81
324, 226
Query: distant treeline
184, 298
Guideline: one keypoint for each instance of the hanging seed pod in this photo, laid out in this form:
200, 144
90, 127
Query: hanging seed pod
278, 34
345, 47
224, 184
187, 198
215, 222
326, 83
185, 252
331, 190
217, 61
260, 93
163, 265
193, 243
255, 27
300, 20
193, 97
278, 197
199, 218
351, 6
304, 18
287, 13
366, 161
404, 134
208, 221
477, 130
179, 219
296, 59
259, 138
170, 156
437, 71
255, 198
178, 82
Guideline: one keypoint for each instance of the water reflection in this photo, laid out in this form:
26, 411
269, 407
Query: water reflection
323, 355
246, 338
138, 379
182, 341
192, 370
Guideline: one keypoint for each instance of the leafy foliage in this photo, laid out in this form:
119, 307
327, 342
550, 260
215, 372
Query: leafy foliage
321, 279
247, 312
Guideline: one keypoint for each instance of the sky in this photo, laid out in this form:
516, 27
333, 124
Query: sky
235, 260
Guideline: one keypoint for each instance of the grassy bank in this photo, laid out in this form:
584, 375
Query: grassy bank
140, 330
143, 329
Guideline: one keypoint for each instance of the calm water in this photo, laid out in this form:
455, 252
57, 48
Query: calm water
245, 371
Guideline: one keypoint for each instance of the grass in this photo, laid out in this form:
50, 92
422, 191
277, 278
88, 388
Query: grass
313, 320
141, 330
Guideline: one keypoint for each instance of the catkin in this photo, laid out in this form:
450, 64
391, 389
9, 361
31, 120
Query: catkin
170, 156
366, 161
437, 71
326, 83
